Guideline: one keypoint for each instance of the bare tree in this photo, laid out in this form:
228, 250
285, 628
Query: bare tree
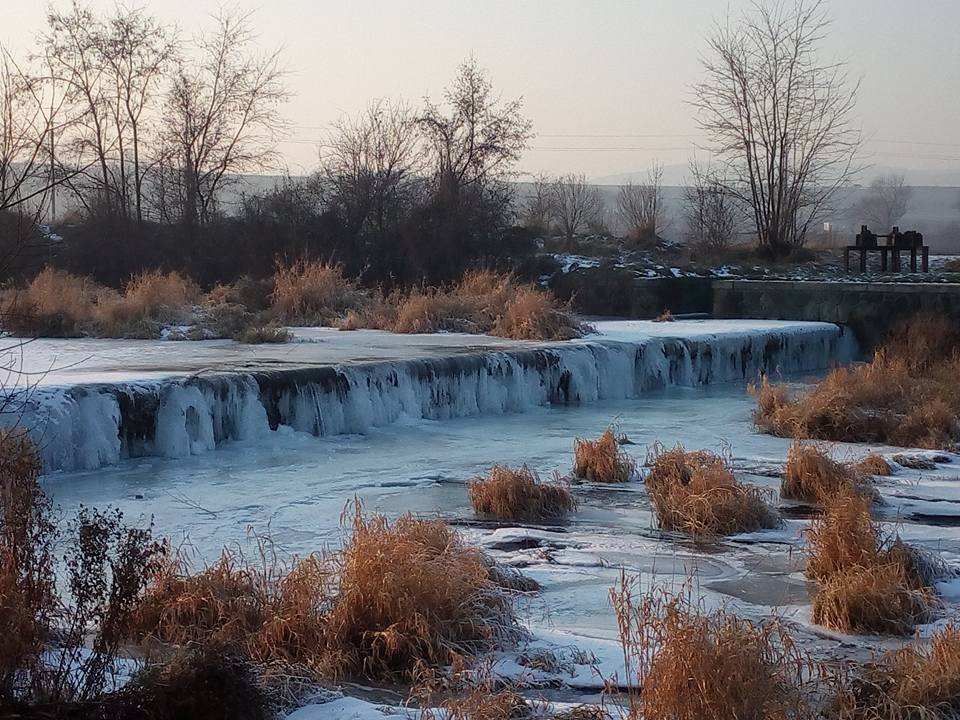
640, 206
886, 201
779, 117
711, 212
478, 137
537, 212
222, 114
370, 166
575, 203
111, 68
30, 115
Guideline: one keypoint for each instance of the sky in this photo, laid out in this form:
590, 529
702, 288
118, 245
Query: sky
605, 82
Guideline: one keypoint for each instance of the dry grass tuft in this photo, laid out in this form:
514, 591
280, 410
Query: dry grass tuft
483, 301
665, 316
399, 598
696, 493
519, 494
920, 681
874, 464
534, 314
907, 395
812, 475
263, 334
54, 304
865, 582
149, 300
310, 292
602, 460
952, 265
686, 663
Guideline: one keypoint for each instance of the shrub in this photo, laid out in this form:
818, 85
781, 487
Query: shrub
907, 395
696, 493
411, 594
920, 681
874, 464
690, 664
263, 334
865, 582
602, 460
665, 316
54, 304
482, 301
254, 295
28, 599
518, 494
105, 569
192, 684
433, 310
270, 612
812, 475
310, 292
149, 300
398, 598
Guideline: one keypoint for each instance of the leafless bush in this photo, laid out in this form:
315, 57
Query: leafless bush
641, 207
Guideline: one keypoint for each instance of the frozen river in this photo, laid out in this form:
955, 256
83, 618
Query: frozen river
667, 383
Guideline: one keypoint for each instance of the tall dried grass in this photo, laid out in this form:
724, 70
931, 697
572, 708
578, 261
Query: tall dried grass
398, 599
865, 582
907, 395
482, 301
874, 464
149, 300
696, 493
686, 663
811, 475
519, 494
920, 681
53, 304
602, 460
310, 292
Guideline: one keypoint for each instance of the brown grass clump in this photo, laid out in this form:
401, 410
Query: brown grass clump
696, 493
534, 314
411, 594
665, 316
310, 292
149, 300
686, 663
952, 265
874, 464
865, 582
602, 460
482, 301
812, 475
519, 494
399, 598
920, 681
907, 395
54, 304
263, 334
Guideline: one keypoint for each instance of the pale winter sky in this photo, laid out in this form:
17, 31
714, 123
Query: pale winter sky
604, 81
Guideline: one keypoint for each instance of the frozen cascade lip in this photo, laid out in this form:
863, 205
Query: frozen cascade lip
142, 398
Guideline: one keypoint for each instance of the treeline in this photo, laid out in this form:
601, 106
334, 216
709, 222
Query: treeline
142, 133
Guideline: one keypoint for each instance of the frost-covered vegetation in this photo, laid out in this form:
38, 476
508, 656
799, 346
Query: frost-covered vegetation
906, 395
153, 304
519, 494
696, 493
602, 460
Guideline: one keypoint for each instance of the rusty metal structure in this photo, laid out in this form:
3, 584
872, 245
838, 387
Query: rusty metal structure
896, 242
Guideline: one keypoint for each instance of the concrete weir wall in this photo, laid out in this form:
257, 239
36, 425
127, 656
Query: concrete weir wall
867, 308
